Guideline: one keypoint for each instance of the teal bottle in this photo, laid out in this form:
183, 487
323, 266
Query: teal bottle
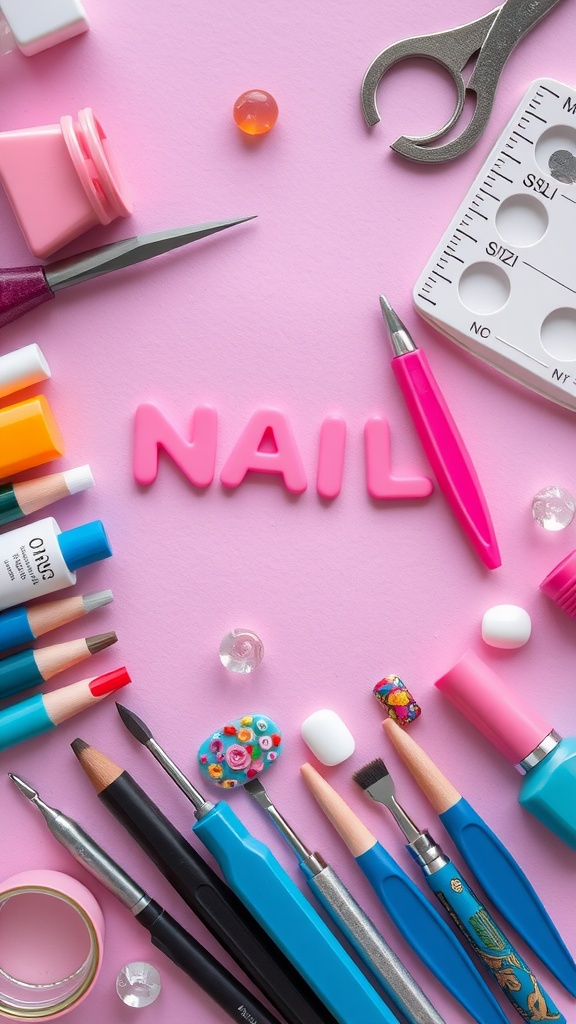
548, 788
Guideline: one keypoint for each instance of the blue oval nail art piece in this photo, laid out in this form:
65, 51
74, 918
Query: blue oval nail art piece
240, 750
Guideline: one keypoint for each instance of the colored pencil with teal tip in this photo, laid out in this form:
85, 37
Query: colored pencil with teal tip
488, 942
499, 874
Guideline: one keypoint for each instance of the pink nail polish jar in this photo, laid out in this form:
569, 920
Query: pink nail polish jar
61, 180
51, 936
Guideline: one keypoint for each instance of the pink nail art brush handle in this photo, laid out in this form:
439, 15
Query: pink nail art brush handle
446, 452
21, 289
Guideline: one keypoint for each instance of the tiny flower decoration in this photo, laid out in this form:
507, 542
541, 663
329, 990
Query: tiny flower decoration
237, 758
240, 750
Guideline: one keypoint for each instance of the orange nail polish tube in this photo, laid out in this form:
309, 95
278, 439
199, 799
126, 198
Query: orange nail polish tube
29, 436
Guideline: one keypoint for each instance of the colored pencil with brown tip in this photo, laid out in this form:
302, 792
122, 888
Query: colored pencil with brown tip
499, 874
202, 889
25, 623
44, 712
33, 667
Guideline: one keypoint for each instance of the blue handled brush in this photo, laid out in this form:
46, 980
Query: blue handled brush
415, 917
491, 946
276, 902
499, 874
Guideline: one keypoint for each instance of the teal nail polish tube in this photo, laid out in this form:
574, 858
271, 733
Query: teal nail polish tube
524, 737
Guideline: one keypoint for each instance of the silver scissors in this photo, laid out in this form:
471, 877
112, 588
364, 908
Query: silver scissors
492, 37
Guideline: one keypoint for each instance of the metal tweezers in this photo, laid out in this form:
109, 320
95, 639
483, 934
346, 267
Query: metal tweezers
492, 37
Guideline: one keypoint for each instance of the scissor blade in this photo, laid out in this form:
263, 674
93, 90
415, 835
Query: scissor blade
128, 251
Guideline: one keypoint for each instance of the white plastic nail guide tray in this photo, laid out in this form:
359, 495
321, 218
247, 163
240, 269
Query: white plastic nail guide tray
502, 281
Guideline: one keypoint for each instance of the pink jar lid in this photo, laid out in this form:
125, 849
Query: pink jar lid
486, 701
94, 163
51, 944
560, 584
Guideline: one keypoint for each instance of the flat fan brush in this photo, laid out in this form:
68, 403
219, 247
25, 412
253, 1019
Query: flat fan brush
401, 988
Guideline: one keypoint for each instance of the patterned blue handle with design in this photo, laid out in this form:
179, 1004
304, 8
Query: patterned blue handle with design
492, 947
418, 920
508, 888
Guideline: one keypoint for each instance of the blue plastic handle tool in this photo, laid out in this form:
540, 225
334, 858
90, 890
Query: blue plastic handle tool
277, 903
492, 947
504, 881
429, 935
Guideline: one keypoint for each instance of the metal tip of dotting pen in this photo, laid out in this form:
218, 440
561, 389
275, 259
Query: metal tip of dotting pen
401, 340
24, 788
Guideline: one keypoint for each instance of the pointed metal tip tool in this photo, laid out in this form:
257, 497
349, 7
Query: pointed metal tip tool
129, 251
401, 340
24, 788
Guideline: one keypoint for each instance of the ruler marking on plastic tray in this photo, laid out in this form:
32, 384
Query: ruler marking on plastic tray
502, 280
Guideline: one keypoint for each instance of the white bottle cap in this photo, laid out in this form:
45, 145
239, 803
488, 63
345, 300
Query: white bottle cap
38, 24
79, 479
22, 368
506, 626
329, 739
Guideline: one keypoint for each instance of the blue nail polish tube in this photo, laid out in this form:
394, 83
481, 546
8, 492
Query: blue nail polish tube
524, 737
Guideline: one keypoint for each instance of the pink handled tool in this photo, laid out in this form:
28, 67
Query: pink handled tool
441, 440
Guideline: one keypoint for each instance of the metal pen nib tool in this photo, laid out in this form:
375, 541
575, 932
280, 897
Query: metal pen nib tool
399, 985
24, 288
276, 902
491, 946
166, 934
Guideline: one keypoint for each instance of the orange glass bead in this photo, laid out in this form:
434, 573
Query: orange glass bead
255, 112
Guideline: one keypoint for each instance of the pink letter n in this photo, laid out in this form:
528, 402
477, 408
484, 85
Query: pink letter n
195, 457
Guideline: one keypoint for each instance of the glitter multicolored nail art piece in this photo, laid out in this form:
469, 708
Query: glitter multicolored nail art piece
397, 699
240, 750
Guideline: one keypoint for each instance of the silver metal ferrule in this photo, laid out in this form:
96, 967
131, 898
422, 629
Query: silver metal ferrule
401, 339
428, 854
539, 753
201, 805
93, 858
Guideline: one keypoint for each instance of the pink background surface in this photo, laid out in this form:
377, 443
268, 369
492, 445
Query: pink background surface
282, 313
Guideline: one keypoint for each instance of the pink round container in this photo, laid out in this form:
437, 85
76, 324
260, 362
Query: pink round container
61, 180
560, 584
51, 944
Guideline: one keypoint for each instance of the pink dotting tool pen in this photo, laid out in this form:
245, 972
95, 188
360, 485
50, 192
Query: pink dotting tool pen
441, 440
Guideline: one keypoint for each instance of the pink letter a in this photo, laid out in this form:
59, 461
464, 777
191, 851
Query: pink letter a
247, 453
